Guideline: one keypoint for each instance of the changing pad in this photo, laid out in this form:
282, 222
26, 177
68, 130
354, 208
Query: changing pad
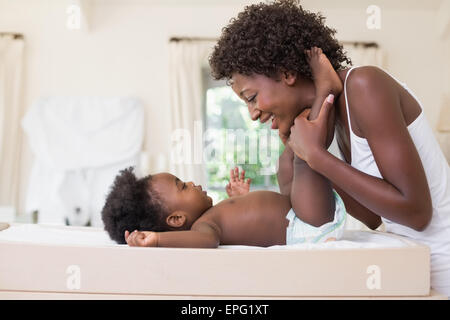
86, 236
74, 260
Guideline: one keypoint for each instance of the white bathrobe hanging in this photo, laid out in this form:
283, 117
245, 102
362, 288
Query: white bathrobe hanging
80, 144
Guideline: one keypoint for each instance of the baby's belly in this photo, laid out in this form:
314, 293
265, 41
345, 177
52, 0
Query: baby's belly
257, 219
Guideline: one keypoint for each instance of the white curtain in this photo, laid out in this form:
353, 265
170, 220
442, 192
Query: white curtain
11, 111
187, 60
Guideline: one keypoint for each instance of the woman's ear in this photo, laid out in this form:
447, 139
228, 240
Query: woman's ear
289, 77
176, 219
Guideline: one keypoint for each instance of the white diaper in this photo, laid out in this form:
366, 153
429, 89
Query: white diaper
301, 232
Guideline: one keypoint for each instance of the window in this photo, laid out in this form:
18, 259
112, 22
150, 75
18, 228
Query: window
233, 139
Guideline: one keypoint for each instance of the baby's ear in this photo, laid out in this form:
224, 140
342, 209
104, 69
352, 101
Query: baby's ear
176, 219
289, 77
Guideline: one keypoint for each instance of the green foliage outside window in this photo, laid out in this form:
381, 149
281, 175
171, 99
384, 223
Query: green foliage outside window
256, 148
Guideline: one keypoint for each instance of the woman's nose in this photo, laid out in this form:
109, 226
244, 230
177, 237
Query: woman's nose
254, 113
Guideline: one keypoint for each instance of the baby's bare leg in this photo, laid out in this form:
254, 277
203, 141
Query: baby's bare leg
312, 197
285, 171
326, 80
311, 194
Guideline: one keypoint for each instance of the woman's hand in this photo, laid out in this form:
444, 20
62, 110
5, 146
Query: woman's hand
237, 186
141, 238
309, 136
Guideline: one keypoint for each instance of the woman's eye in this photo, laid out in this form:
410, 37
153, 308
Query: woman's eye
252, 99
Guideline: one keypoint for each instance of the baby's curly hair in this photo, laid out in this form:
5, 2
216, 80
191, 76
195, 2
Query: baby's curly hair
267, 38
132, 205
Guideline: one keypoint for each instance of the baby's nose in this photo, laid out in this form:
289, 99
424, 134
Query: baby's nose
193, 184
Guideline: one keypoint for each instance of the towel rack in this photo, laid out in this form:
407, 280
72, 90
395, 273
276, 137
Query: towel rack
15, 35
354, 43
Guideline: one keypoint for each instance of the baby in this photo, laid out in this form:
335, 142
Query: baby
171, 213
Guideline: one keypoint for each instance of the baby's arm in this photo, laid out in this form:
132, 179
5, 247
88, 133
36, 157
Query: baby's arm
202, 235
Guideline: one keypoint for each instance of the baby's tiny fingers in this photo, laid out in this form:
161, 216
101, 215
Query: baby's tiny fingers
232, 177
140, 238
242, 175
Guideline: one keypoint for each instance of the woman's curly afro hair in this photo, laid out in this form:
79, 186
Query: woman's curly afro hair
132, 205
267, 38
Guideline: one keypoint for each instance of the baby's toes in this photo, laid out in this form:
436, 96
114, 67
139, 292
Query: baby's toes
308, 54
315, 51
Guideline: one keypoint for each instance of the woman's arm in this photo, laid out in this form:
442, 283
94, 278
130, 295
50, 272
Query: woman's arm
358, 211
403, 194
202, 235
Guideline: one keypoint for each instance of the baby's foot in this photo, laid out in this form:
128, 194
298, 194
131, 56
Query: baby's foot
325, 77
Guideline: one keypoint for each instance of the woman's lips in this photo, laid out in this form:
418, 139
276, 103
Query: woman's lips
265, 117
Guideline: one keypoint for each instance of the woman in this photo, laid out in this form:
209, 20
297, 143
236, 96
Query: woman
393, 169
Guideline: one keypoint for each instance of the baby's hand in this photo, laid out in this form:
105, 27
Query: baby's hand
141, 238
237, 186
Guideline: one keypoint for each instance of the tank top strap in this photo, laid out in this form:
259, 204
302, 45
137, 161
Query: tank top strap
346, 99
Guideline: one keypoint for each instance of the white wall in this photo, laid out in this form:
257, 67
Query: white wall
125, 50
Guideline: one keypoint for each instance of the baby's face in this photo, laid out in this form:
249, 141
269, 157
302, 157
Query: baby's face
179, 195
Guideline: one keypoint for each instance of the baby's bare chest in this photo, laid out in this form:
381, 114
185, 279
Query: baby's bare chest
255, 219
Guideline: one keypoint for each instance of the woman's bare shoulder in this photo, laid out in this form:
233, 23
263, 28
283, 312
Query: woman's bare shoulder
372, 96
366, 77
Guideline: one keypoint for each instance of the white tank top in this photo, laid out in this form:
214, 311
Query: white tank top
437, 170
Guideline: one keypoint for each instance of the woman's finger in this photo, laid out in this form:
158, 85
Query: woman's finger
283, 136
326, 107
242, 175
304, 114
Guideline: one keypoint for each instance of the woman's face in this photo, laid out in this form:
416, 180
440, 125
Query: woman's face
280, 99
